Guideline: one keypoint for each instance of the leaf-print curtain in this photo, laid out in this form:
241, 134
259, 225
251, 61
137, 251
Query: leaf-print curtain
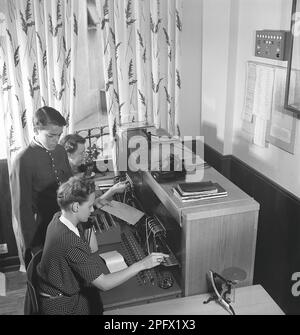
142, 48
37, 68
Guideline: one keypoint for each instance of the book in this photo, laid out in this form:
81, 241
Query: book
221, 192
197, 188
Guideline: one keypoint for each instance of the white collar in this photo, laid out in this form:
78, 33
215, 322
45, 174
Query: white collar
37, 143
69, 224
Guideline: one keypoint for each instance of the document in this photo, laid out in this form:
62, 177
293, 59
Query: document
250, 89
264, 83
124, 212
282, 126
281, 122
260, 130
114, 261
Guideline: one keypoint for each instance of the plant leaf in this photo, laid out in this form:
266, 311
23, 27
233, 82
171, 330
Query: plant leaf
157, 86
167, 95
28, 14
116, 96
45, 59
57, 27
24, 24
50, 25
31, 88
140, 39
16, 56
178, 79
9, 35
24, 119
130, 69
109, 70
132, 82
68, 58
58, 11
105, 8
54, 91
117, 47
167, 37
103, 22
142, 97
178, 21
40, 41
113, 36
74, 87
75, 25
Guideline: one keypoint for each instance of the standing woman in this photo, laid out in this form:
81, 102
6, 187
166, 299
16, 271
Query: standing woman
37, 172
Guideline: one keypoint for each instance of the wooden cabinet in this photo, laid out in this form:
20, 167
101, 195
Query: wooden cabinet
216, 234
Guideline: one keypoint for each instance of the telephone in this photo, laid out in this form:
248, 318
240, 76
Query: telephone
223, 289
175, 167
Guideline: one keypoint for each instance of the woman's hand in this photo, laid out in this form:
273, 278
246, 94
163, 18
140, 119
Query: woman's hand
152, 260
100, 202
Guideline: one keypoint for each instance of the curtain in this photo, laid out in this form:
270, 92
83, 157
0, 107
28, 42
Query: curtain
37, 67
142, 48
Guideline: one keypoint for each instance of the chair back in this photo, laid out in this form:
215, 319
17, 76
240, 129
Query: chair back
31, 304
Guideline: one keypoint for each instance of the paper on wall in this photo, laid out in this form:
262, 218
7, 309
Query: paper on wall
250, 89
281, 122
263, 95
114, 261
260, 130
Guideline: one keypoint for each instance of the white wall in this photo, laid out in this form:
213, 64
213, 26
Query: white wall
219, 21
228, 43
277, 164
190, 116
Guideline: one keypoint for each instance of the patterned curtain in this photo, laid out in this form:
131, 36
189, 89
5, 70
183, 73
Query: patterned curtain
142, 47
37, 67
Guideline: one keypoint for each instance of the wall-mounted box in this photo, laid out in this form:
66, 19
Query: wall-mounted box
273, 44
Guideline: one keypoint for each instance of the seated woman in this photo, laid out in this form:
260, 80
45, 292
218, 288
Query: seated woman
70, 275
74, 145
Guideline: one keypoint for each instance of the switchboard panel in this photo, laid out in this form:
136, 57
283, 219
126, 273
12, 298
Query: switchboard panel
273, 44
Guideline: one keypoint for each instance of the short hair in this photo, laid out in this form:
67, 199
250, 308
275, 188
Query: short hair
76, 189
47, 115
70, 142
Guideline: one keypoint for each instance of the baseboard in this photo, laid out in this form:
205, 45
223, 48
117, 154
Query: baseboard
218, 161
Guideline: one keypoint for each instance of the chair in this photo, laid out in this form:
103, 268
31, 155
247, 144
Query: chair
31, 304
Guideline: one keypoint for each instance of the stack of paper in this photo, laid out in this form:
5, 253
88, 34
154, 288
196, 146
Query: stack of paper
198, 191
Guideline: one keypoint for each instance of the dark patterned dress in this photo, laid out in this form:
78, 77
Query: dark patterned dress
66, 271
34, 177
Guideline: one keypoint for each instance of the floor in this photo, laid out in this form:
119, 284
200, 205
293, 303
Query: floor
12, 303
